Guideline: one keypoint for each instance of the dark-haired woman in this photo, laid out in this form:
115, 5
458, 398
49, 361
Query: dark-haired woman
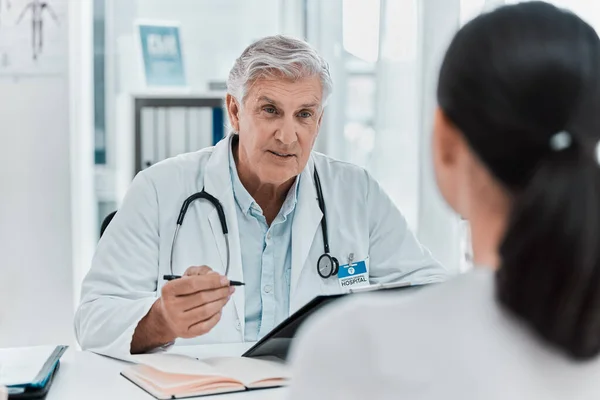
516, 152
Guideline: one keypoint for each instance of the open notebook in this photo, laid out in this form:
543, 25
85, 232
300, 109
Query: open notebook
173, 376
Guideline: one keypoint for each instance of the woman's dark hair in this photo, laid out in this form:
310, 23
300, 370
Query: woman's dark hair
511, 81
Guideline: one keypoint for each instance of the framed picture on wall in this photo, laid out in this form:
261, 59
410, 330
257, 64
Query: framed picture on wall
162, 53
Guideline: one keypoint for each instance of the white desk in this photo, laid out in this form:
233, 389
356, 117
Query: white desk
84, 375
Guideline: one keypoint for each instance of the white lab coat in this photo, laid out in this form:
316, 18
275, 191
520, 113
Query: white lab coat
452, 341
126, 274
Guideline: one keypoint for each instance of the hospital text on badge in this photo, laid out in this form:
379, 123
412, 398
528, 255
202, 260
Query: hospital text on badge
353, 281
351, 275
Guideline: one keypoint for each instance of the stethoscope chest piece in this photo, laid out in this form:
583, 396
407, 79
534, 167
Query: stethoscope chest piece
327, 266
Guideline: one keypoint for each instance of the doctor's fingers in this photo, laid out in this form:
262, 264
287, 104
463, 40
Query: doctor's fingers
204, 312
202, 327
189, 302
202, 270
201, 320
195, 283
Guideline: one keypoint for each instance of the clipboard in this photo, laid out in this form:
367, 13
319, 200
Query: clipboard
277, 343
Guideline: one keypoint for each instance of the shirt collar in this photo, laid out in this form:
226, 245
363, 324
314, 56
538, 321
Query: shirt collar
245, 201
291, 199
242, 197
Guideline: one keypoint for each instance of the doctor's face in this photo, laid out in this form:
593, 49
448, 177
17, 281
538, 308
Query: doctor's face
278, 125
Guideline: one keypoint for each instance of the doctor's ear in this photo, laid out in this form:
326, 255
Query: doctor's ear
233, 110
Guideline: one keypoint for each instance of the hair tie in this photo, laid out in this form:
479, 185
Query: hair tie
562, 140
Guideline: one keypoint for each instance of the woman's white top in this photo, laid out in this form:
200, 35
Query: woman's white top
452, 341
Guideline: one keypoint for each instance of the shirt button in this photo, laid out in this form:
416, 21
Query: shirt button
268, 288
238, 326
269, 235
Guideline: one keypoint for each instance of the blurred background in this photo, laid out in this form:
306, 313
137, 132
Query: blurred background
86, 101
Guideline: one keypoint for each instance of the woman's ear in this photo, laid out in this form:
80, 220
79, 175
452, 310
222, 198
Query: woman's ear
233, 110
448, 160
447, 141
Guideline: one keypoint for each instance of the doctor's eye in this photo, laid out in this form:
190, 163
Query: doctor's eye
270, 110
305, 114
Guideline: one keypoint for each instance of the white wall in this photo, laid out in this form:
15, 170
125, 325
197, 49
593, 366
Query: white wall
84, 225
42, 206
213, 35
36, 299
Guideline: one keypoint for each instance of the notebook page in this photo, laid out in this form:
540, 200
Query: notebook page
177, 364
249, 370
172, 383
20, 365
166, 386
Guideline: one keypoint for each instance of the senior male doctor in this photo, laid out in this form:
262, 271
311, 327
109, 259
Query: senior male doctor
281, 201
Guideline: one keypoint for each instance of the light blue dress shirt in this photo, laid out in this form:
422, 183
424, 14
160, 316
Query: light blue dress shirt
266, 258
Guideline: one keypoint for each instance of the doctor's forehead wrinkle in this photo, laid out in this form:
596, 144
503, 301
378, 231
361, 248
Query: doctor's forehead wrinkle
305, 93
266, 100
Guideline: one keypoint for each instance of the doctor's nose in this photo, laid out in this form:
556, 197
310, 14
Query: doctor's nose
286, 132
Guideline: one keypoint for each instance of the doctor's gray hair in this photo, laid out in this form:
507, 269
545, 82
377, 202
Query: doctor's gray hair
275, 56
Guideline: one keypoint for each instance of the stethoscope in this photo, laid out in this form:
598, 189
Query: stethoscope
327, 265
217, 204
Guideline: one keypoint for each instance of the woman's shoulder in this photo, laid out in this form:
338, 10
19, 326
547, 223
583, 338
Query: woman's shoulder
445, 339
387, 306
383, 316
374, 337
404, 320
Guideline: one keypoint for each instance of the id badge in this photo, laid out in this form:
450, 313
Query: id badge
354, 275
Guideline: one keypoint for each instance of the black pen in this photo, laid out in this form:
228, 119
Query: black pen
173, 277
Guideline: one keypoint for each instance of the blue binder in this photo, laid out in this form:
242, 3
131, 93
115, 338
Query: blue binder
39, 386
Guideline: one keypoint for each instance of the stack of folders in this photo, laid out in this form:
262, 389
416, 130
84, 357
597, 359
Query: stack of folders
28, 372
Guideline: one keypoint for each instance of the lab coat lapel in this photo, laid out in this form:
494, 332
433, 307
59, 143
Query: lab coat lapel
307, 219
217, 181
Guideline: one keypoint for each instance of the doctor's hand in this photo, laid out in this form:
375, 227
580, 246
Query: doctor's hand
192, 304
188, 307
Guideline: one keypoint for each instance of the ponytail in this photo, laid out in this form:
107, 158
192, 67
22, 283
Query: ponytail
550, 257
